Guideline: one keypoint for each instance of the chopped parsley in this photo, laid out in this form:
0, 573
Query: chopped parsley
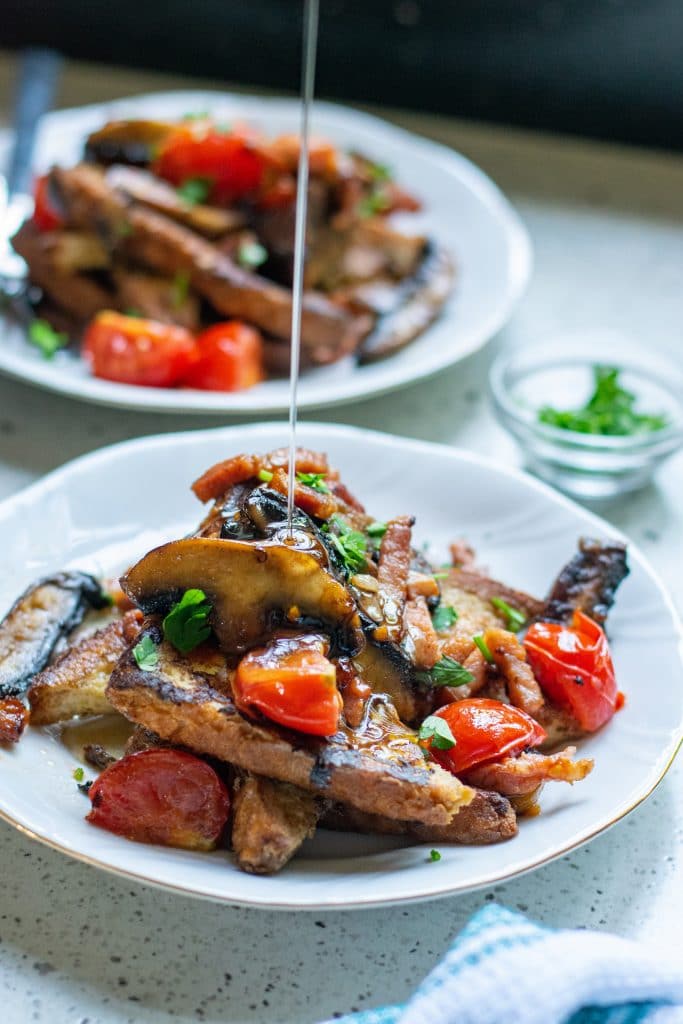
180, 289
609, 411
46, 338
265, 475
438, 732
146, 654
376, 530
200, 115
440, 575
195, 190
186, 625
434, 855
444, 617
379, 172
132, 311
483, 647
447, 672
514, 619
314, 480
78, 774
251, 255
375, 202
350, 545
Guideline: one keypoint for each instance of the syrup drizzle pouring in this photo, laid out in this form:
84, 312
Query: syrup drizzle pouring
310, 39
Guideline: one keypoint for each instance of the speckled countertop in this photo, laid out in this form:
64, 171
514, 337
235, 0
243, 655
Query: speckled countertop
80, 947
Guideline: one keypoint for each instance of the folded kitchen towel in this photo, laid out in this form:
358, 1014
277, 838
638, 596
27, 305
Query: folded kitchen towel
505, 969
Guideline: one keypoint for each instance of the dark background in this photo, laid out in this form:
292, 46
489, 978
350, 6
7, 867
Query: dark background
611, 69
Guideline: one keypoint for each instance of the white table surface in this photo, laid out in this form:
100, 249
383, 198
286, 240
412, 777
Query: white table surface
80, 947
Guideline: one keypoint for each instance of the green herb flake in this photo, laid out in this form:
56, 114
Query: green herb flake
438, 732
146, 654
514, 618
350, 545
447, 672
180, 289
314, 480
46, 338
186, 625
376, 530
610, 410
375, 202
444, 617
132, 311
379, 172
434, 855
251, 255
195, 190
265, 475
78, 774
440, 575
483, 647
200, 115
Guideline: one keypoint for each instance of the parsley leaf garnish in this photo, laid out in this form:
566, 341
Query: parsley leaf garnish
350, 545
438, 731
186, 625
379, 172
314, 480
146, 654
199, 115
265, 475
447, 672
195, 190
610, 410
251, 255
440, 575
444, 617
483, 647
78, 774
376, 202
514, 619
376, 530
434, 855
46, 338
180, 289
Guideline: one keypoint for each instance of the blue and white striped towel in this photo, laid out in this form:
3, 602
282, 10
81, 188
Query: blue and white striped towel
504, 969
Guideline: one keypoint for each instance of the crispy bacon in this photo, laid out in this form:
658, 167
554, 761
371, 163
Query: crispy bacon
476, 664
216, 480
463, 555
519, 776
420, 641
13, 719
395, 556
421, 585
510, 658
313, 502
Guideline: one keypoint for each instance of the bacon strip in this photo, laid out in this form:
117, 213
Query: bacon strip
395, 556
519, 776
510, 659
420, 642
216, 480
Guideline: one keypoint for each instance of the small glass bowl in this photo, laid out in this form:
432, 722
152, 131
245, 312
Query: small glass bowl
560, 374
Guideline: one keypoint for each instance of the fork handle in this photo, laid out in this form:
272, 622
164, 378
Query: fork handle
38, 74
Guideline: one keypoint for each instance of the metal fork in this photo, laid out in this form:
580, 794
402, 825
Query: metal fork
38, 74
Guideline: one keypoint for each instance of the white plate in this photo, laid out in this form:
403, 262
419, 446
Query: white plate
106, 508
464, 210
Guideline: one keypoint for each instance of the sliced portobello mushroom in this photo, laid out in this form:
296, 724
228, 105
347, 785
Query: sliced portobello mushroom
588, 582
39, 619
127, 142
253, 587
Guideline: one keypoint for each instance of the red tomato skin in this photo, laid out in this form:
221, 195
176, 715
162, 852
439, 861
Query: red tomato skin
229, 358
45, 216
228, 161
132, 350
292, 683
574, 667
161, 796
485, 730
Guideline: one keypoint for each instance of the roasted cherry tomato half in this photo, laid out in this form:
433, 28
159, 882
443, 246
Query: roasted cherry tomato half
161, 796
45, 216
291, 682
229, 358
484, 730
574, 667
13, 719
228, 162
132, 350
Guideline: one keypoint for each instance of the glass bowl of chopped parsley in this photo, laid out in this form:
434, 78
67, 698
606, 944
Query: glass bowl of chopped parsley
594, 414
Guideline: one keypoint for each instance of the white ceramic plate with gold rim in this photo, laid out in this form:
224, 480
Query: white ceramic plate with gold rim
463, 209
105, 509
